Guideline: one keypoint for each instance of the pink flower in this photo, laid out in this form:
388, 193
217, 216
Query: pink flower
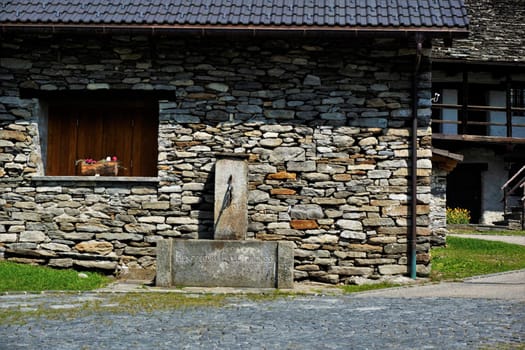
114, 158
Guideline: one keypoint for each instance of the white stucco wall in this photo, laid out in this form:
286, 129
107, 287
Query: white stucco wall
491, 182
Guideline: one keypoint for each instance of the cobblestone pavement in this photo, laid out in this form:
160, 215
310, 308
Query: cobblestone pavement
298, 322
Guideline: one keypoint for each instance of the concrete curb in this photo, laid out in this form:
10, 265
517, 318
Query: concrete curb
493, 275
519, 240
508, 285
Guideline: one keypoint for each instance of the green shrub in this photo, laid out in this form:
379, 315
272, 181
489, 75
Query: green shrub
458, 216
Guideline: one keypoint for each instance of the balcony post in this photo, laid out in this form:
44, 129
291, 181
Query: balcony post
464, 103
509, 106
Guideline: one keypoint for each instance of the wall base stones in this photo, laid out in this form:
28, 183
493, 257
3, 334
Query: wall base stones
84, 224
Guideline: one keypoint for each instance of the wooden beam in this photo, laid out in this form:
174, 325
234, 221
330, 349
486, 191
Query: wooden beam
476, 108
479, 138
448, 154
444, 163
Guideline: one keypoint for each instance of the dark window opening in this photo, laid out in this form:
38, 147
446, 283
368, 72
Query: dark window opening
518, 100
476, 120
87, 128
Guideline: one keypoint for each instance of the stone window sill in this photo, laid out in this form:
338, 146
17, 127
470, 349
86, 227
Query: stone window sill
115, 179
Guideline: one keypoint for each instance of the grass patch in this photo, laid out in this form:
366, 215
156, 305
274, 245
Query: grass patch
127, 303
22, 277
148, 302
352, 288
272, 295
464, 257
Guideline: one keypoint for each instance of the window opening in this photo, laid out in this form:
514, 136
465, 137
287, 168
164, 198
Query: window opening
80, 129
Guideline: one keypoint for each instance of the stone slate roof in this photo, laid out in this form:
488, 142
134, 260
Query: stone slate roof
308, 14
497, 33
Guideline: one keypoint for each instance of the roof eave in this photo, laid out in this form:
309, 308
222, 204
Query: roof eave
355, 31
467, 61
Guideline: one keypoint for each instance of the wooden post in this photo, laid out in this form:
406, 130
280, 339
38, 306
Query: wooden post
508, 106
464, 103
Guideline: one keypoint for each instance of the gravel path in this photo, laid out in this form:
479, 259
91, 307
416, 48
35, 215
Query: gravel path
504, 286
508, 239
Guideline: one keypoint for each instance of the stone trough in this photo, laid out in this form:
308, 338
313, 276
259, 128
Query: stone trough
214, 263
229, 260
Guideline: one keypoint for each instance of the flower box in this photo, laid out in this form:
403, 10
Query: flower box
100, 168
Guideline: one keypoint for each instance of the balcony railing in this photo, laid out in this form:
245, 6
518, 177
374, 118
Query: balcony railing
479, 120
515, 185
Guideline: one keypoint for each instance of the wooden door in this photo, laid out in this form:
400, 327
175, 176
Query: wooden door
464, 189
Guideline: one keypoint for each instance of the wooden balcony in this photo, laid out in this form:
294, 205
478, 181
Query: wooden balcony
473, 123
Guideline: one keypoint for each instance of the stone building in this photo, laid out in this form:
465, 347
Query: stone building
479, 110
329, 103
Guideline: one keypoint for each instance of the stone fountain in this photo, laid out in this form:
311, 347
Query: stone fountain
229, 260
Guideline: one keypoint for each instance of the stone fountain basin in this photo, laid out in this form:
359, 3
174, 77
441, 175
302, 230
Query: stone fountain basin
224, 263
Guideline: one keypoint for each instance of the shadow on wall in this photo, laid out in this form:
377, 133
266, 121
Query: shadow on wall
205, 208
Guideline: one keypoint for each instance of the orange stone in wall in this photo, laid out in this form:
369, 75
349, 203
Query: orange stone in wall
283, 191
342, 177
304, 224
282, 175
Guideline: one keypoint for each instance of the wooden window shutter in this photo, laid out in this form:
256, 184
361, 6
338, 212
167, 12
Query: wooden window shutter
79, 131
61, 141
145, 142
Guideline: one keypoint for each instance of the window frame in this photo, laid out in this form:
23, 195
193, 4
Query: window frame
134, 103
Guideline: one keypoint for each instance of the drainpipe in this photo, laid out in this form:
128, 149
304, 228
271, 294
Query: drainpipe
413, 168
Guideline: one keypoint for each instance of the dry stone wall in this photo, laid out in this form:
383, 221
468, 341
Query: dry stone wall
93, 225
325, 124
438, 206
